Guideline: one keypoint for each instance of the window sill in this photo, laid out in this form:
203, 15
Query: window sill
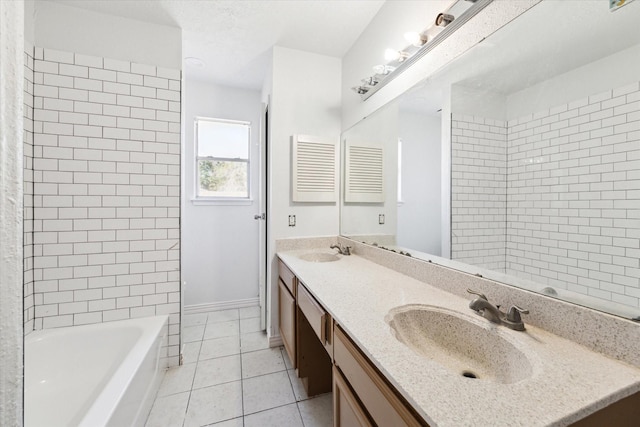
221, 202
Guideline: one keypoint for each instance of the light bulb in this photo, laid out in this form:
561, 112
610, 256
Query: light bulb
383, 69
416, 39
391, 55
395, 55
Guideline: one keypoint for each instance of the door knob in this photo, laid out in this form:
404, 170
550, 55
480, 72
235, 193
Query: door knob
260, 216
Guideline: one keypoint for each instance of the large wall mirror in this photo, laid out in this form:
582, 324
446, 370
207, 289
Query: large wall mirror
519, 161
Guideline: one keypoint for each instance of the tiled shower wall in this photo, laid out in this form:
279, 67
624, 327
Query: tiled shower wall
29, 309
573, 194
479, 192
106, 191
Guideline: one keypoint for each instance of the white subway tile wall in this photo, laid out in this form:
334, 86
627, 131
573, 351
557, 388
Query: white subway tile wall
573, 206
106, 191
29, 308
572, 194
478, 191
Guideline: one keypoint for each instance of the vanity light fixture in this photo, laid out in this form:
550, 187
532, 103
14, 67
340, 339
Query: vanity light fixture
420, 44
444, 19
415, 38
360, 90
382, 69
395, 55
370, 81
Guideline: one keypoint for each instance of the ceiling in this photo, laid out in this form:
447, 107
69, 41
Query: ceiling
234, 37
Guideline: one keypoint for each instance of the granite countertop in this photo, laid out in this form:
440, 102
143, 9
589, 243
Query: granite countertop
568, 381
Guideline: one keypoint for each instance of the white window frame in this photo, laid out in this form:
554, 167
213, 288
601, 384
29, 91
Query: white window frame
214, 200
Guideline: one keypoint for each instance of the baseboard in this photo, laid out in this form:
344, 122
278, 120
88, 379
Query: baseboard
217, 306
275, 341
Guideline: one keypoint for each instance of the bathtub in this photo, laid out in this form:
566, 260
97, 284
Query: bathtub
106, 374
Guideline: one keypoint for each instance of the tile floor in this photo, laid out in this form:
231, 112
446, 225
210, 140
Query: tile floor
231, 378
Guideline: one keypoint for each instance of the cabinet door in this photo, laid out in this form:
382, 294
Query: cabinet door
380, 401
347, 412
287, 318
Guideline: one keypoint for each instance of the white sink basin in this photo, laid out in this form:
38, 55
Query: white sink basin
463, 345
319, 257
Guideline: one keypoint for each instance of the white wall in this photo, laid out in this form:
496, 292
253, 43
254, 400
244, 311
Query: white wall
361, 219
11, 130
220, 243
419, 215
305, 99
78, 30
387, 29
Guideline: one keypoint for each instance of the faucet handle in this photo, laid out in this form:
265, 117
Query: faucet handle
513, 315
471, 291
347, 250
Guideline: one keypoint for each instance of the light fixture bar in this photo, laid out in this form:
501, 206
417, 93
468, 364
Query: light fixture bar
477, 6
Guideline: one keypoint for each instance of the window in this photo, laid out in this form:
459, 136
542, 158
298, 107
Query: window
222, 159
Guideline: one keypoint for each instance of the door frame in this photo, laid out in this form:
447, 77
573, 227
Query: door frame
263, 233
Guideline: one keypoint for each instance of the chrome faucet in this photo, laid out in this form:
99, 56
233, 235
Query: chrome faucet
484, 308
342, 250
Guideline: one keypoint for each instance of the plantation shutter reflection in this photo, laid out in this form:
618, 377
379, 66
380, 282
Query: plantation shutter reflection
364, 179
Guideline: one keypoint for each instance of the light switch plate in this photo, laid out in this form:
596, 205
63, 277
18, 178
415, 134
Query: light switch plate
292, 220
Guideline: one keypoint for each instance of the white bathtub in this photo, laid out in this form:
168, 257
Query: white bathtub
105, 374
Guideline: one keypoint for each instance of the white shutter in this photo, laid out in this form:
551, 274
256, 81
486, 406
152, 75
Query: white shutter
364, 179
315, 170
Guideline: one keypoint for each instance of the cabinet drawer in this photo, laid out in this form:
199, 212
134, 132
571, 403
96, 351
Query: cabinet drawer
380, 401
287, 277
315, 314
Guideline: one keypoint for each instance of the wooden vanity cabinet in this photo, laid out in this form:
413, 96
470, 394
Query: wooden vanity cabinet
287, 313
378, 399
347, 411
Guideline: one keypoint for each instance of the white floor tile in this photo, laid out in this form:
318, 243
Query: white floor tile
177, 379
214, 404
298, 388
248, 312
236, 422
253, 341
168, 411
220, 347
317, 412
250, 325
288, 416
222, 316
285, 356
217, 371
191, 352
194, 319
222, 329
262, 362
192, 333
266, 392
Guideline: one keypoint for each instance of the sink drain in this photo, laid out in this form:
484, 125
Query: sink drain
469, 374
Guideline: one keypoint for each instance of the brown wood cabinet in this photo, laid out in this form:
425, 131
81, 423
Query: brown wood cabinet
347, 411
287, 311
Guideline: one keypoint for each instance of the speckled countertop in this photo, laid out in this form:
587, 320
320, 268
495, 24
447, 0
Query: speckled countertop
567, 383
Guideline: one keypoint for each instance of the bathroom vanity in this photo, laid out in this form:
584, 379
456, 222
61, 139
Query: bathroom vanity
344, 324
